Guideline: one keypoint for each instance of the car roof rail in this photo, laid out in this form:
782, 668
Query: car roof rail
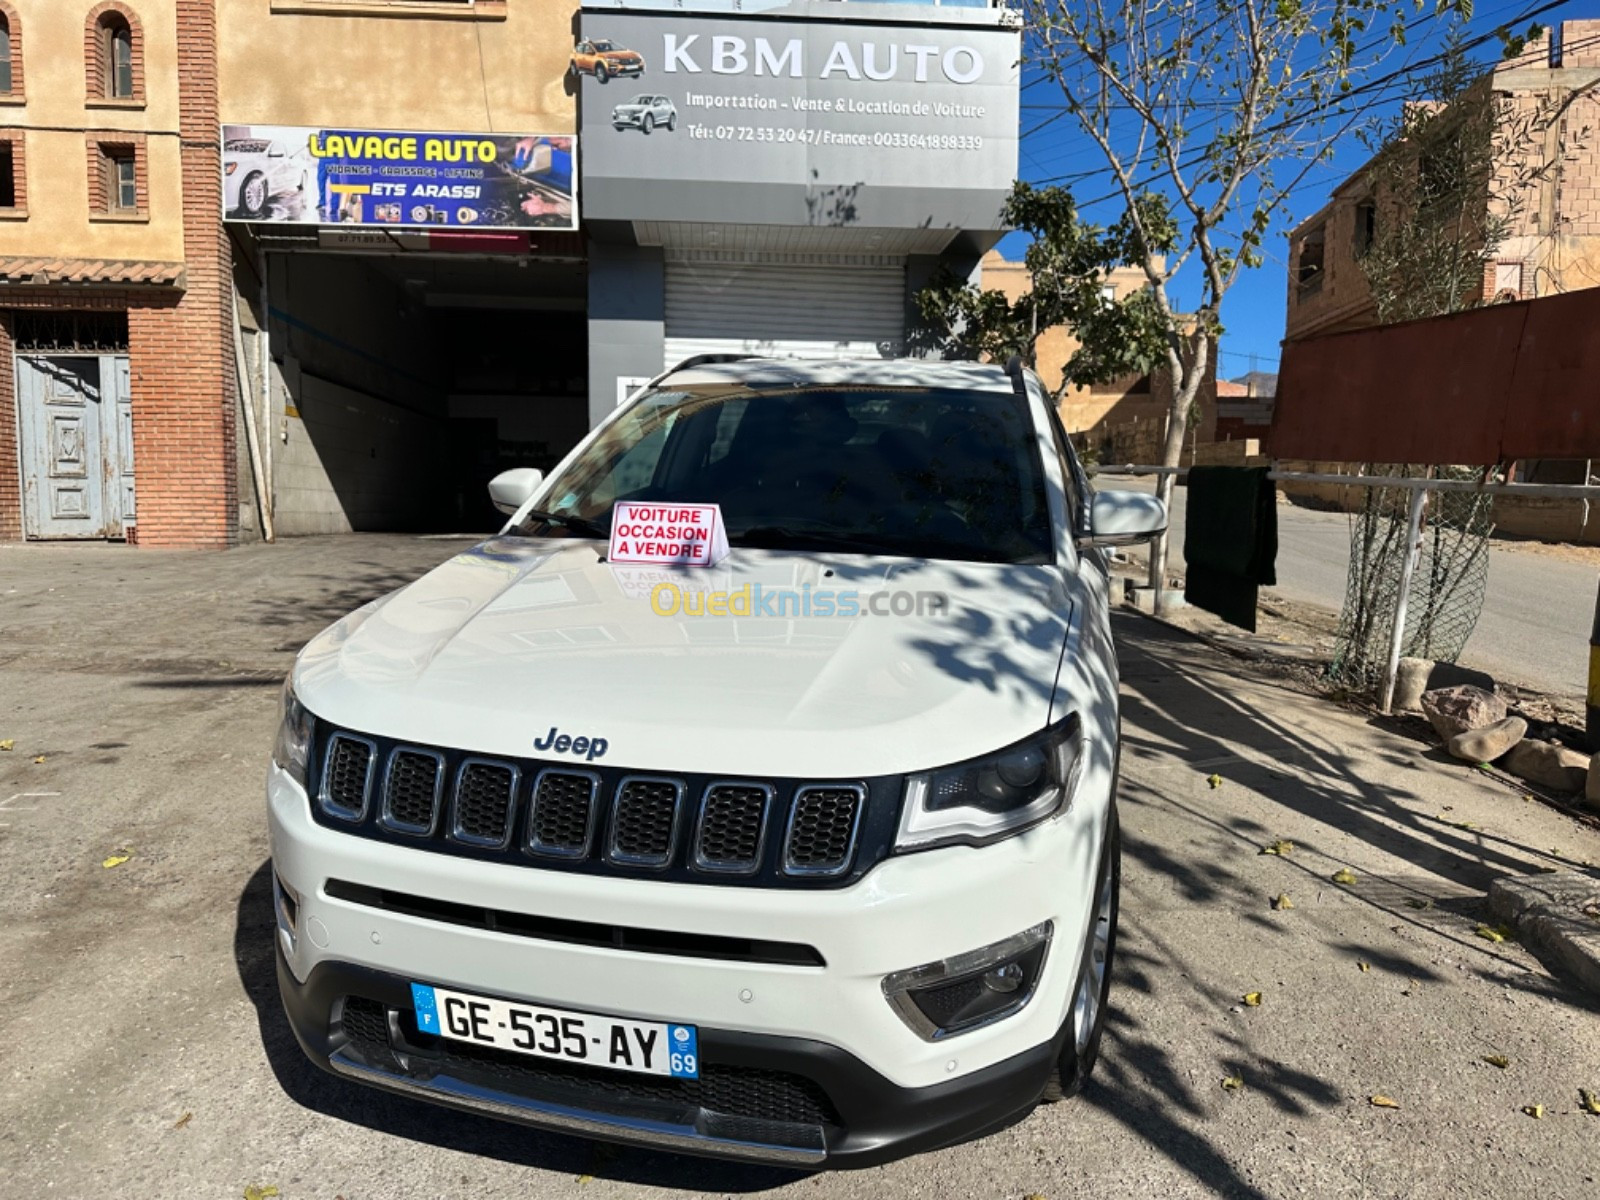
695, 360
1019, 382
708, 360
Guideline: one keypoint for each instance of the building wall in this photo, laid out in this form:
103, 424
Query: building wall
1553, 244
380, 66
178, 345
58, 116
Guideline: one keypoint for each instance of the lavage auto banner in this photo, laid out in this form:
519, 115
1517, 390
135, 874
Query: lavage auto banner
373, 177
789, 122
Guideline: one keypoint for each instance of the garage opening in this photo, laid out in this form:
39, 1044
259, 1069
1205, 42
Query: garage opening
403, 382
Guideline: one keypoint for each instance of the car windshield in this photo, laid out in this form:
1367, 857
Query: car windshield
644, 99
247, 147
602, 47
920, 473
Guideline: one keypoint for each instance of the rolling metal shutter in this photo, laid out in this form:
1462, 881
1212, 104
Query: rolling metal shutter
784, 306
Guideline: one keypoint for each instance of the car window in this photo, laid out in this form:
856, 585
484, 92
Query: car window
923, 473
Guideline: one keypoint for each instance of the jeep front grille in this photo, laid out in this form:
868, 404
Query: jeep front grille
412, 786
562, 821
485, 797
822, 829
732, 825
347, 776
644, 823
602, 820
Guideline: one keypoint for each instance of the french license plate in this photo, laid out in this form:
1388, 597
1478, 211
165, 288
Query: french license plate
644, 1047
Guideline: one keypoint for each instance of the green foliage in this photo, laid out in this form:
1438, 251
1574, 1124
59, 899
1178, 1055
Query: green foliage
1069, 263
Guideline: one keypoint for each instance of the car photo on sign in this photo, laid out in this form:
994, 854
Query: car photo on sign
260, 174
645, 113
604, 59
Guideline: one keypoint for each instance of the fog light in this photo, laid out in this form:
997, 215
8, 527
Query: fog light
966, 992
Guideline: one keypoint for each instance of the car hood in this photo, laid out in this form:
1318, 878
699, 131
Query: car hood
619, 55
630, 108
516, 637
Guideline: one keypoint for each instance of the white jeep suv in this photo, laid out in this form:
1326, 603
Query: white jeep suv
808, 857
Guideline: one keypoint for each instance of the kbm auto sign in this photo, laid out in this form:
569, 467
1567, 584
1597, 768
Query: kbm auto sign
782, 122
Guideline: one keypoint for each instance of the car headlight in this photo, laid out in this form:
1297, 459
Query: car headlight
985, 799
292, 750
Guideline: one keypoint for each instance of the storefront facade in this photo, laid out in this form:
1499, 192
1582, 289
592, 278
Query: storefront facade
335, 263
806, 169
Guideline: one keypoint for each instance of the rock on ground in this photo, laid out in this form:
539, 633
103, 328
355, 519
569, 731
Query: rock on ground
1549, 765
1490, 742
1455, 710
1418, 675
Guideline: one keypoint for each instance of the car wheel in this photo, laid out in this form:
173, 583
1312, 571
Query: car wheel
649, 123
1087, 1019
672, 122
253, 195
601, 73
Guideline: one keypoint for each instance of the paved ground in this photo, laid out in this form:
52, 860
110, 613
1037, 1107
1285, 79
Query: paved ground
134, 995
1537, 614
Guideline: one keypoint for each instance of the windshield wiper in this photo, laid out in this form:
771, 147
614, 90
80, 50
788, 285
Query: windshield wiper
781, 537
570, 520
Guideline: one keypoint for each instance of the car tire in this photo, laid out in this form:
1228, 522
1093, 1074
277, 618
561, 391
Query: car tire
601, 73
648, 124
1085, 1025
255, 182
672, 122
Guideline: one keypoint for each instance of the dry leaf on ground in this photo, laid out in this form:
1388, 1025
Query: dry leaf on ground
1589, 1101
1497, 1060
1382, 1101
1365, 967
1424, 902
1490, 934
183, 1120
1233, 1083
38, 758
260, 1193
1279, 847
1253, 999
1536, 1111
1344, 875
1215, 781
1282, 901
117, 858
8, 744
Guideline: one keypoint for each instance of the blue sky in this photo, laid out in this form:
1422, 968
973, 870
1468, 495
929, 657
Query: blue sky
1253, 311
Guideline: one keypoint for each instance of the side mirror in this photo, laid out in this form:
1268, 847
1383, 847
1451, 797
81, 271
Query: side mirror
1123, 518
510, 490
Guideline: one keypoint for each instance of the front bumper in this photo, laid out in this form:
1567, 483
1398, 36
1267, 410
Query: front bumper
827, 1022
627, 120
865, 1118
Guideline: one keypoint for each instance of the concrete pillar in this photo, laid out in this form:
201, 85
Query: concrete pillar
627, 319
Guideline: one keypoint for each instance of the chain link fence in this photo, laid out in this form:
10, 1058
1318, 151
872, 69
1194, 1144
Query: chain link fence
1447, 587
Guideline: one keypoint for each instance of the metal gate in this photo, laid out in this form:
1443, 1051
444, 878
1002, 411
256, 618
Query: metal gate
784, 305
76, 416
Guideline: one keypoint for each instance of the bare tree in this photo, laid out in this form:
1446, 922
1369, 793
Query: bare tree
1205, 116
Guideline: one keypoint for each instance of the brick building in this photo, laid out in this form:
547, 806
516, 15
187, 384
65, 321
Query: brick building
1553, 244
116, 392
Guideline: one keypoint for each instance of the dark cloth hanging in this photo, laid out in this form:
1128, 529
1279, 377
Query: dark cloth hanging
1230, 541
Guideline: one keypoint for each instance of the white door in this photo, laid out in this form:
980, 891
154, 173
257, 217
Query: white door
797, 306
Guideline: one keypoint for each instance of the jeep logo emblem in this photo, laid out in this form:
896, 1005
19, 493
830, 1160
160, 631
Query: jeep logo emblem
590, 747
